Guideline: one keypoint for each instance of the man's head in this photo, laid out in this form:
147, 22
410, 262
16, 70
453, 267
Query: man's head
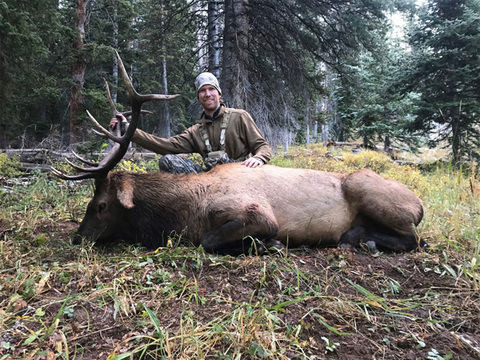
208, 92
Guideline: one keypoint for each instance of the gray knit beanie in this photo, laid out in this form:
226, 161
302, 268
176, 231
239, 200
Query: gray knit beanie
207, 78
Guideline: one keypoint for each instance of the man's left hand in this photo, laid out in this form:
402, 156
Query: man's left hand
253, 162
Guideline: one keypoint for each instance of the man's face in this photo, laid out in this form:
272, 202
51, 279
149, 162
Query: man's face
209, 98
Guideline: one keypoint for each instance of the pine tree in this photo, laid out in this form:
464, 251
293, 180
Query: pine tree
32, 37
272, 52
166, 62
371, 106
445, 69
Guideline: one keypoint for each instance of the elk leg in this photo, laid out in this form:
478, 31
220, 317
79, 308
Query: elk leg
383, 240
236, 238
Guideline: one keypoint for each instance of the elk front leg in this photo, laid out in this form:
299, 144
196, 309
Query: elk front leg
236, 237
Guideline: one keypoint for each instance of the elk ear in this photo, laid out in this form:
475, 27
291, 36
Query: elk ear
125, 194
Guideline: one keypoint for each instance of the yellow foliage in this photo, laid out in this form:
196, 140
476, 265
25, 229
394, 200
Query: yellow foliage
9, 165
410, 176
132, 166
367, 159
319, 157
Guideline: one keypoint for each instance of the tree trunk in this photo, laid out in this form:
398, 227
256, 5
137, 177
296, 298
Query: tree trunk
456, 130
325, 133
387, 146
114, 91
325, 105
197, 8
114, 88
234, 80
167, 124
213, 38
164, 124
78, 71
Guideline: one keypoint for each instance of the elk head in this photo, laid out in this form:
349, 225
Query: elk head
109, 201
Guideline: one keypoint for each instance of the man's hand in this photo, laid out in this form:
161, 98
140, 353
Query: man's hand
253, 162
114, 122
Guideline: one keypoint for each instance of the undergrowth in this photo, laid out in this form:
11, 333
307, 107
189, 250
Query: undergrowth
60, 301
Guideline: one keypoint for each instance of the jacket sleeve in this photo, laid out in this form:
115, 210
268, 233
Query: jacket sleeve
178, 144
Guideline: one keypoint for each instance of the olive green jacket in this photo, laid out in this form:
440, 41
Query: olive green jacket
242, 138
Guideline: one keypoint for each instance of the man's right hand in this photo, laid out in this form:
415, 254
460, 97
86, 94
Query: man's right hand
115, 120
253, 162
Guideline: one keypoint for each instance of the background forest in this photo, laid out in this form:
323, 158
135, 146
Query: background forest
306, 70
395, 73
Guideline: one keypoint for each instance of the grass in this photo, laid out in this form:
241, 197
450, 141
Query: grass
59, 301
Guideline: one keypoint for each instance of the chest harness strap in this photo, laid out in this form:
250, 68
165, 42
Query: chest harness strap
223, 127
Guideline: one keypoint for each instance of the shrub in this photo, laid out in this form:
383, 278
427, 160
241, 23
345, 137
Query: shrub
9, 166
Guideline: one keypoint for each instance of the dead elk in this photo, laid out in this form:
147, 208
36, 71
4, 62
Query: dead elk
223, 209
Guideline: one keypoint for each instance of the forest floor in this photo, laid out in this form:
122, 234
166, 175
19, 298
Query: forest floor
87, 302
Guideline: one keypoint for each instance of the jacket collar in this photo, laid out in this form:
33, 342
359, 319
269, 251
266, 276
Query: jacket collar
207, 119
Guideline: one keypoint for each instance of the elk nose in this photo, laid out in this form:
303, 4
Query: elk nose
77, 239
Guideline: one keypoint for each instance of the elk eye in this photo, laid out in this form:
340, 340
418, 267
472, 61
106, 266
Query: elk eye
102, 206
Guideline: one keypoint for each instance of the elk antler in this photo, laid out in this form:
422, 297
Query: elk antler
120, 147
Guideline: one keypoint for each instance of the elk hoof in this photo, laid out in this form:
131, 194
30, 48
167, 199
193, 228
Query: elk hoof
271, 247
348, 247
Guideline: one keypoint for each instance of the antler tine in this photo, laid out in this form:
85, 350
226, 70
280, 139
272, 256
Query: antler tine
61, 175
137, 100
109, 96
85, 161
98, 133
102, 131
79, 168
85, 172
133, 93
129, 112
124, 113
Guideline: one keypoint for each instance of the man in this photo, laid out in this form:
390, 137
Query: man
221, 135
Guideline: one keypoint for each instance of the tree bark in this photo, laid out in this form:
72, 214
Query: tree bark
197, 7
163, 121
166, 123
456, 134
114, 91
234, 79
78, 71
213, 38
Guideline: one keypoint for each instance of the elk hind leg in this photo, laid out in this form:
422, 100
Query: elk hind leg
381, 239
387, 209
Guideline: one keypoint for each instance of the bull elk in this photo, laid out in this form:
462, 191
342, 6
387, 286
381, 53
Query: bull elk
224, 209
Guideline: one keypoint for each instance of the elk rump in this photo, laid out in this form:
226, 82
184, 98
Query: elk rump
227, 207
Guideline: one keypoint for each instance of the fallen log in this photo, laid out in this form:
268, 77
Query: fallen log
41, 159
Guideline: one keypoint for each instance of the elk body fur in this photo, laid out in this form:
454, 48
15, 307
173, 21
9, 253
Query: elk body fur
221, 208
